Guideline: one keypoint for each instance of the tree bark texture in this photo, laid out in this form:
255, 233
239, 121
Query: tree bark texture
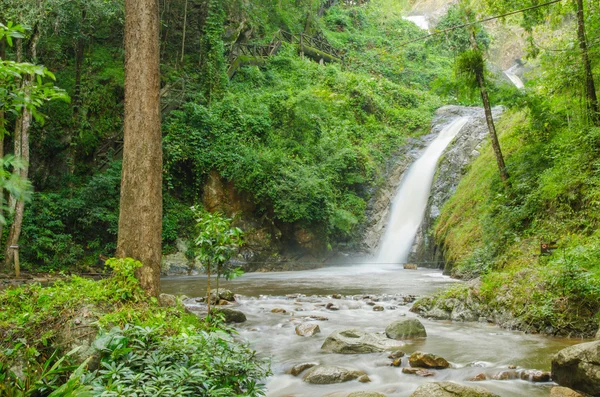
492, 128
140, 217
479, 75
590, 87
21, 143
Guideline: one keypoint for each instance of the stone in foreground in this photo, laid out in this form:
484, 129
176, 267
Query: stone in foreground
351, 341
578, 367
230, 315
450, 389
365, 394
427, 360
167, 300
299, 368
326, 375
307, 329
406, 329
559, 391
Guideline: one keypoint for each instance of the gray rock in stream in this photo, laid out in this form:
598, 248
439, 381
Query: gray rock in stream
351, 341
578, 367
406, 329
230, 315
450, 389
325, 375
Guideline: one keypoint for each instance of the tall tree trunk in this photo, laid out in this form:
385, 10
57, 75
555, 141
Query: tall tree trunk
184, 28
492, 128
590, 87
140, 217
22, 148
2, 133
479, 75
21, 144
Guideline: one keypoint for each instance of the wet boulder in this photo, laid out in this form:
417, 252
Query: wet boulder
427, 360
278, 310
578, 367
230, 315
299, 368
406, 329
307, 329
533, 375
559, 391
450, 389
418, 371
222, 294
351, 341
365, 394
325, 375
167, 300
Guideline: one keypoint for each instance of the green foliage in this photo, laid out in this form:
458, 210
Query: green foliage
141, 361
469, 65
39, 379
21, 84
73, 226
217, 241
213, 68
12, 182
456, 41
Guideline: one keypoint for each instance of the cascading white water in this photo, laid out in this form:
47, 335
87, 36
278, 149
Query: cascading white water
408, 207
510, 73
419, 20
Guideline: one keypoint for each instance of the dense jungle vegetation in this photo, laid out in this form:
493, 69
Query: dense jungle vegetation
306, 141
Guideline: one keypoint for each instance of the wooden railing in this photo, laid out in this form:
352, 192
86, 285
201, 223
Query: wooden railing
257, 51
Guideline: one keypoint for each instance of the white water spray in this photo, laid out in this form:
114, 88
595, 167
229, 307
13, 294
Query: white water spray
419, 20
408, 207
511, 74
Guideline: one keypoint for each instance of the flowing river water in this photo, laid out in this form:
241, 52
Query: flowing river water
354, 287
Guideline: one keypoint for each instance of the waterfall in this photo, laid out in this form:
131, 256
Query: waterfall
510, 73
419, 20
408, 207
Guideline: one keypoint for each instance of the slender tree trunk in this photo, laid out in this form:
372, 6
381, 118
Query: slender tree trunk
184, 28
492, 128
140, 217
2, 133
22, 146
479, 74
208, 297
79, 57
590, 87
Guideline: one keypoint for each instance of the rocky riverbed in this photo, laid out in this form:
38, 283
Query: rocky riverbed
355, 340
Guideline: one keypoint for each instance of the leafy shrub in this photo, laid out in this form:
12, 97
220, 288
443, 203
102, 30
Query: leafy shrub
141, 361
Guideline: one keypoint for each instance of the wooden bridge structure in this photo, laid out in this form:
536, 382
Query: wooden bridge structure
315, 47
